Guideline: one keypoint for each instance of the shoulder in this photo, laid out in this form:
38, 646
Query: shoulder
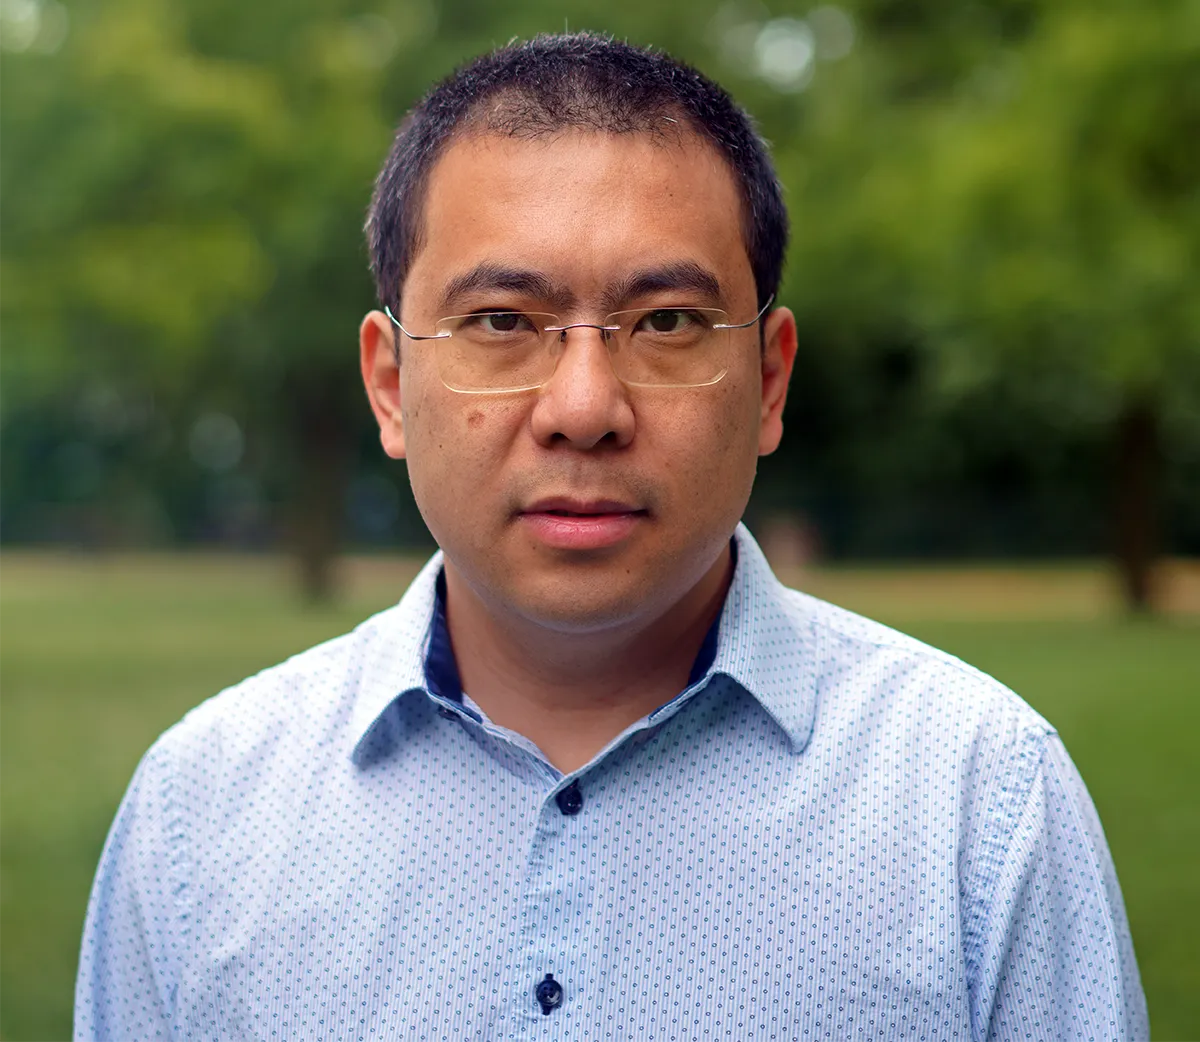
807, 656
894, 699
288, 712
851, 688
967, 752
904, 671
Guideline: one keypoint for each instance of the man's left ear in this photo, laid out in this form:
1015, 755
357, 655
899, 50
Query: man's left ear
778, 357
381, 378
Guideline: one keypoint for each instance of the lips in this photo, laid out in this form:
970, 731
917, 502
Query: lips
567, 523
571, 507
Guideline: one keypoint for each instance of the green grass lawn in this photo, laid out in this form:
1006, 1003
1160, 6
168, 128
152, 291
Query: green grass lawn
101, 654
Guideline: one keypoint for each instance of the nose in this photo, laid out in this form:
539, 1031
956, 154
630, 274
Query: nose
583, 403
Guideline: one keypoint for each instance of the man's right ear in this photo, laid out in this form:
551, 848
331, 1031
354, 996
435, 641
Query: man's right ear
381, 377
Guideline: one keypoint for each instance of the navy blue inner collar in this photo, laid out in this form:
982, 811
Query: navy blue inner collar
441, 669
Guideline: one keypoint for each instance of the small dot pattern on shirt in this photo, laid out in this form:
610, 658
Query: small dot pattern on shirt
836, 833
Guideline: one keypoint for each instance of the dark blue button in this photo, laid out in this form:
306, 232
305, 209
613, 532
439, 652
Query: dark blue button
447, 713
549, 994
570, 800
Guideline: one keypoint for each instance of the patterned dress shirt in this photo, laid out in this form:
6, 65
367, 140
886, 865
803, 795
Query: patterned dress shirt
834, 832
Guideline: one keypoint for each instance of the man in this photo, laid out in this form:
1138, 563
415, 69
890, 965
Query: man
598, 775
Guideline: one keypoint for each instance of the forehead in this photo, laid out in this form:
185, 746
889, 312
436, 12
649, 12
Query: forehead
584, 208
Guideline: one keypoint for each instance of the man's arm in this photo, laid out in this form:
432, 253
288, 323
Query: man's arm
1055, 955
133, 935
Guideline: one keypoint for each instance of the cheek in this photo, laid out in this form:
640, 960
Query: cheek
485, 425
456, 441
734, 417
711, 446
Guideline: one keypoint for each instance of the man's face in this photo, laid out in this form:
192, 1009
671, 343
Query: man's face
587, 503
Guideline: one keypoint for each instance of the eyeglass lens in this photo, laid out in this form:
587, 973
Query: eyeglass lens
509, 350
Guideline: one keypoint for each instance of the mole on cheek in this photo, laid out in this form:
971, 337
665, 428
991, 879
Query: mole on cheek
474, 419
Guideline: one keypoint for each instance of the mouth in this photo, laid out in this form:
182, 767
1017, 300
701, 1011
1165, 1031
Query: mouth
577, 524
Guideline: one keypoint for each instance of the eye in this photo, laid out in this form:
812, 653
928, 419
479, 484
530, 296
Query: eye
503, 322
668, 320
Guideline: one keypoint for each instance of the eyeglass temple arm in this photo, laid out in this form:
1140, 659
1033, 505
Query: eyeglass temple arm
412, 336
744, 325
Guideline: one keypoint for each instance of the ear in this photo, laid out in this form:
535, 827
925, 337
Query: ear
778, 357
381, 377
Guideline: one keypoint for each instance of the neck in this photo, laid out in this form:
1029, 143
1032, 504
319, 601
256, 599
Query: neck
571, 694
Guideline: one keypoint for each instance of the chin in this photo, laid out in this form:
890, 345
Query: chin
581, 608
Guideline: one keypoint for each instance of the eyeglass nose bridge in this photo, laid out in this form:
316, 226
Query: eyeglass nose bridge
562, 330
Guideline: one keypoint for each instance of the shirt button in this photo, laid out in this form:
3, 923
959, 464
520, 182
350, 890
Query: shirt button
570, 800
549, 994
447, 713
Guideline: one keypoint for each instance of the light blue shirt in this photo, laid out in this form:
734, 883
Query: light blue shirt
836, 832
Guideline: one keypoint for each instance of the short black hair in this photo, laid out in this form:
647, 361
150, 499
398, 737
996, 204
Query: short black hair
561, 81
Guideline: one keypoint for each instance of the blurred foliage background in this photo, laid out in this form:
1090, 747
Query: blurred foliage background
996, 240
994, 264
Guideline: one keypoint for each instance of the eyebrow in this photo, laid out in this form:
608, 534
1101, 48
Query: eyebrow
678, 276
490, 276
682, 275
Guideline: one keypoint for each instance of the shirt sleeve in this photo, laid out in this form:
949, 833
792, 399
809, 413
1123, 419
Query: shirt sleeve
1057, 958
128, 963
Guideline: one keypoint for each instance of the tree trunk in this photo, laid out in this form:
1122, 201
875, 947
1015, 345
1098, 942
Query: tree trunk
315, 524
1137, 478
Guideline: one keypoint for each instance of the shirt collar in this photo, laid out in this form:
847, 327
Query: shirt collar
767, 643
393, 647
761, 641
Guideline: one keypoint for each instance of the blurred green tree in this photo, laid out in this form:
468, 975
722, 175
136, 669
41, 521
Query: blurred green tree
184, 188
1060, 202
1006, 197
